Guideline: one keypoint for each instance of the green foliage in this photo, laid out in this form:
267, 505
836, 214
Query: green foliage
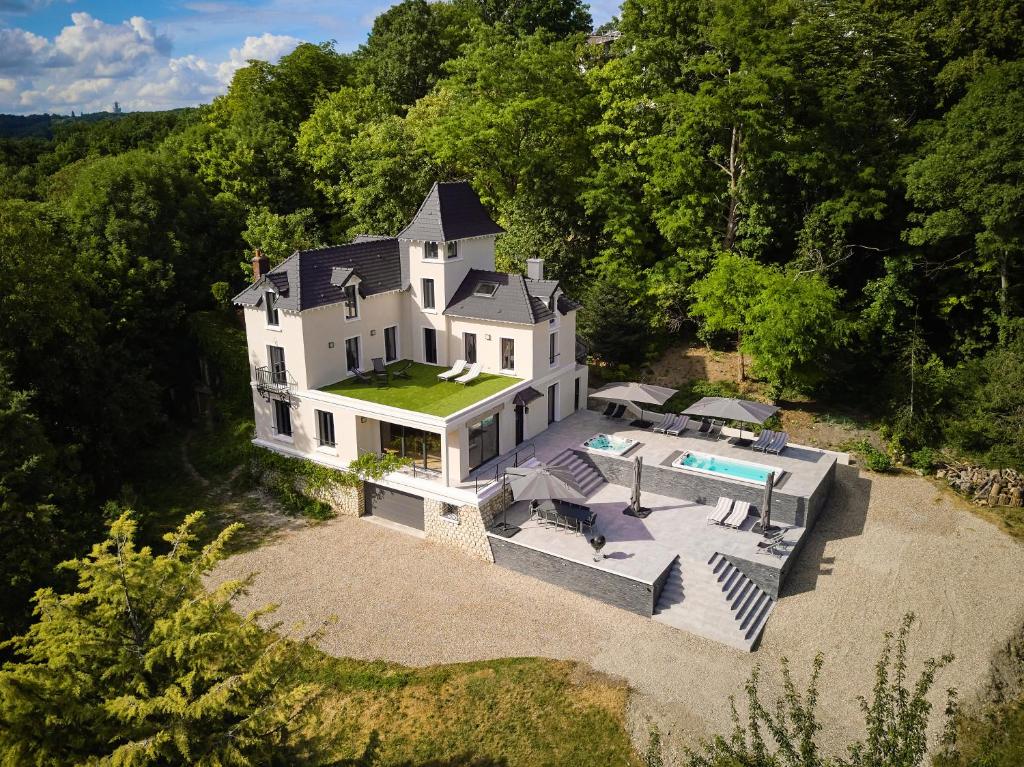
785, 733
924, 460
140, 665
524, 17
788, 322
278, 236
969, 184
873, 458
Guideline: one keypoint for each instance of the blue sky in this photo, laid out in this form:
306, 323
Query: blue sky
82, 55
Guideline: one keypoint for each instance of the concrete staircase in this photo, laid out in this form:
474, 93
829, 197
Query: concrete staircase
586, 477
716, 600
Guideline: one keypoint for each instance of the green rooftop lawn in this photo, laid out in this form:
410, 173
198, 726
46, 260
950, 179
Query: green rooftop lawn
421, 391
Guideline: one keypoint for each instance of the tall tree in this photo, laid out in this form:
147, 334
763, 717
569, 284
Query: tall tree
969, 185
524, 17
140, 665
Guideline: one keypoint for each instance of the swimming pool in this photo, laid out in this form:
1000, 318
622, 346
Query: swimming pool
730, 468
607, 443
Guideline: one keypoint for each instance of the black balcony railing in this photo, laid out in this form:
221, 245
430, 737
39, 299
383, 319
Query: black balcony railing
273, 380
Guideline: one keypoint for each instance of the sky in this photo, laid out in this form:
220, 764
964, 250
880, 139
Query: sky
83, 55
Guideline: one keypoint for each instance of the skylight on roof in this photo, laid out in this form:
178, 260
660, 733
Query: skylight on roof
485, 289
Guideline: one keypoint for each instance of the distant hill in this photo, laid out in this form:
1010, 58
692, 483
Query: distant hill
41, 126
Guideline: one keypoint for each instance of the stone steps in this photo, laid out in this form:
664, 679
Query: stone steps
714, 599
586, 477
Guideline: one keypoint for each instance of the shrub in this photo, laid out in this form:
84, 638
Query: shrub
923, 459
872, 457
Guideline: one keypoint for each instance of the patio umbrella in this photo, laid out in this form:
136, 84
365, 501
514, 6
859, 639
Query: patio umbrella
543, 483
639, 393
731, 409
635, 509
766, 504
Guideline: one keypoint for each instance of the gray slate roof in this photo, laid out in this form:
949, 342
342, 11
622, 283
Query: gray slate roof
304, 279
517, 299
451, 211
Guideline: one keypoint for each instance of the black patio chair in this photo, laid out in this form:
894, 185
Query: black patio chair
380, 370
609, 409
401, 371
619, 411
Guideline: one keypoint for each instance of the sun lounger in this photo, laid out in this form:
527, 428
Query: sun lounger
609, 409
763, 440
715, 430
739, 513
401, 372
666, 420
679, 426
469, 375
770, 545
721, 511
778, 444
380, 371
457, 369
618, 412
362, 376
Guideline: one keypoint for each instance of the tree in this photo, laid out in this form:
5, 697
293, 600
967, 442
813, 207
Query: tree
278, 236
560, 17
788, 322
785, 734
408, 46
140, 665
968, 187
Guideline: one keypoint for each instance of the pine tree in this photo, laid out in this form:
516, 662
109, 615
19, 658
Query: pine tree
140, 665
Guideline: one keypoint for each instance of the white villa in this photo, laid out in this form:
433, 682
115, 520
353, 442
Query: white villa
431, 296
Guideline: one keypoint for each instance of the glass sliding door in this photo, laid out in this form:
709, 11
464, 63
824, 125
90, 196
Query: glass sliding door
483, 441
430, 346
391, 343
469, 339
422, 448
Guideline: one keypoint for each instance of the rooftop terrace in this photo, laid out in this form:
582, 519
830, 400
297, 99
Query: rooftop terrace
420, 390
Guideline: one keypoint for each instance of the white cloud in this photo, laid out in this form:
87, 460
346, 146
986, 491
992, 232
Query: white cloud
266, 47
90, 64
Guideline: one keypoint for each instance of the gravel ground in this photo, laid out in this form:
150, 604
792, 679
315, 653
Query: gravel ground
886, 545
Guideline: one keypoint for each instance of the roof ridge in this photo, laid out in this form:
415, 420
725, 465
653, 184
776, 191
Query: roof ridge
526, 295
419, 210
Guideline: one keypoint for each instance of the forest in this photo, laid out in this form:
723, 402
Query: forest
832, 187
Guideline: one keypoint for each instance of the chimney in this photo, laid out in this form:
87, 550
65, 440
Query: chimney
260, 264
535, 268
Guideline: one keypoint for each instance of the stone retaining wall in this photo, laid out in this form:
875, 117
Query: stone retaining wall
344, 500
463, 527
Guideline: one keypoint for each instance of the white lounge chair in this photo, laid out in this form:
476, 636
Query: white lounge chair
739, 513
679, 426
457, 369
721, 511
469, 375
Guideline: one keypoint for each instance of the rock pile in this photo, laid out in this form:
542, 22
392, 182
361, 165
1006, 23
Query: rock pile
986, 487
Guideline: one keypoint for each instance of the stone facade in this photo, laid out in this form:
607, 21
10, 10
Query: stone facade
344, 500
462, 527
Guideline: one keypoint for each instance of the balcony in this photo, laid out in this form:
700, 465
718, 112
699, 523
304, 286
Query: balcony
274, 380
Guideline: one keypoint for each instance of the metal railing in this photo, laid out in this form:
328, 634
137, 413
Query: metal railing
411, 467
271, 380
521, 455
553, 357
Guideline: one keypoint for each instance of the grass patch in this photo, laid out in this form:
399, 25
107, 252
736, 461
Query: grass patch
422, 392
518, 711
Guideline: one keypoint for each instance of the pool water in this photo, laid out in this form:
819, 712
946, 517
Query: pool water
726, 467
607, 443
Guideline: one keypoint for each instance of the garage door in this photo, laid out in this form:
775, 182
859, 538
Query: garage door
394, 505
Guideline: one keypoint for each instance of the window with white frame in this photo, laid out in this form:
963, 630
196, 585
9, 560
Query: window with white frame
270, 298
282, 418
352, 354
391, 343
469, 342
325, 428
508, 354
430, 250
351, 302
553, 348
451, 249
427, 295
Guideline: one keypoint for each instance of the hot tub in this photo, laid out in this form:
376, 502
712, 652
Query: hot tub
610, 444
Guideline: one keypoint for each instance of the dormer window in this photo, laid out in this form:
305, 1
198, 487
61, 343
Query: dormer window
451, 250
430, 250
270, 298
486, 289
351, 301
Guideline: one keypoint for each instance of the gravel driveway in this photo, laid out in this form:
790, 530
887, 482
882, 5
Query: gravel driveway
884, 546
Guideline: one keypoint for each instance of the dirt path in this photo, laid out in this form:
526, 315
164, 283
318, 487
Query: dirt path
887, 545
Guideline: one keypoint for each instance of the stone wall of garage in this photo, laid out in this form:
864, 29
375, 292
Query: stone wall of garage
462, 527
787, 509
344, 500
625, 593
